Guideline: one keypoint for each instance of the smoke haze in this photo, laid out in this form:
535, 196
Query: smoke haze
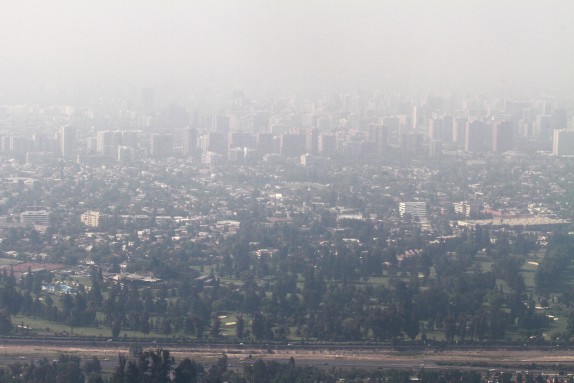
510, 46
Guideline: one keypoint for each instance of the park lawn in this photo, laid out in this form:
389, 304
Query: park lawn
528, 272
378, 281
44, 327
484, 263
229, 281
9, 261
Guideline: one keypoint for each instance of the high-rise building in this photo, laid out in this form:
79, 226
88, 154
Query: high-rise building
20, 145
40, 143
189, 147
108, 142
241, 140
459, 131
219, 123
441, 129
559, 119
37, 158
410, 143
130, 138
91, 218
323, 123
39, 217
212, 159
162, 145
468, 209
292, 145
68, 144
266, 143
327, 145
379, 135
125, 154
435, 148
414, 209
311, 140
236, 155
502, 137
563, 142
476, 136
544, 125
213, 142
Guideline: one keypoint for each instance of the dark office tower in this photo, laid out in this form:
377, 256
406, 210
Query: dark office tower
559, 119
40, 143
236, 155
435, 149
546, 108
214, 142
544, 125
393, 123
260, 122
162, 145
476, 136
147, 100
266, 143
5, 145
327, 145
563, 142
544, 130
502, 137
68, 143
126, 154
440, 129
515, 108
378, 134
219, 123
410, 143
312, 140
189, 142
130, 138
241, 140
309, 120
292, 145
459, 131
20, 145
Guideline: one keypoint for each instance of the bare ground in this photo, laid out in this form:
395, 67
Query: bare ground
342, 357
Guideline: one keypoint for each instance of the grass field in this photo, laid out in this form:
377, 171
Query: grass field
9, 261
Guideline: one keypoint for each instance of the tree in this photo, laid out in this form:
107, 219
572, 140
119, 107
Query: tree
239, 326
120, 371
116, 327
156, 364
92, 366
5, 322
68, 370
215, 331
258, 326
260, 373
187, 371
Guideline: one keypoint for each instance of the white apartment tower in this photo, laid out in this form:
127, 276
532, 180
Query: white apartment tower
68, 144
415, 209
563, 142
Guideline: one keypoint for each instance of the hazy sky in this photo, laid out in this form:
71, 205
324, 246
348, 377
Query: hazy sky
503, 45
